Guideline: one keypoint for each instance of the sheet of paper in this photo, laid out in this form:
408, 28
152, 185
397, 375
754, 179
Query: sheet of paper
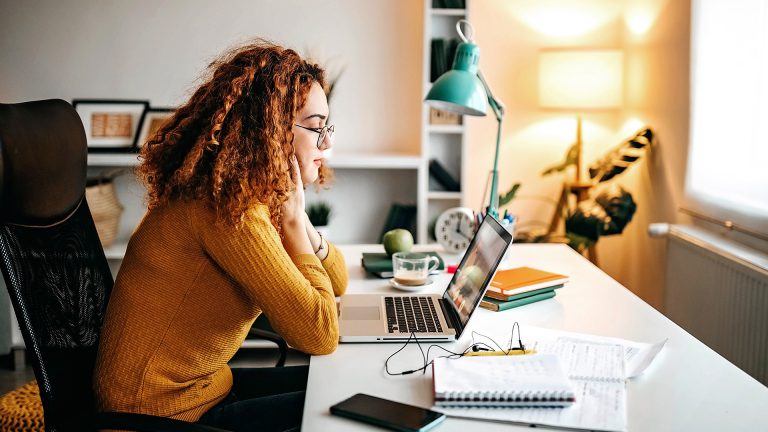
638, 355
597, 371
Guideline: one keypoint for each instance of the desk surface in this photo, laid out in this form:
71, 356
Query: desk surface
687, 387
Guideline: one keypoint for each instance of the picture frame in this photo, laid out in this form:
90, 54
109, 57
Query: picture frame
151, 120
110, 125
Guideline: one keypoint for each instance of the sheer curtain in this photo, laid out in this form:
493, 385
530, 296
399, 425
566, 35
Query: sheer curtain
727, 175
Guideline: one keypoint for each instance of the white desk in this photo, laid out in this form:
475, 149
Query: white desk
687, 387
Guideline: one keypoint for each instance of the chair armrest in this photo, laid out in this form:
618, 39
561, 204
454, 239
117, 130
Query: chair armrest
273, 337
148, 423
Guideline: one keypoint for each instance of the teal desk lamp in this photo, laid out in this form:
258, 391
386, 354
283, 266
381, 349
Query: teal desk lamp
463, 90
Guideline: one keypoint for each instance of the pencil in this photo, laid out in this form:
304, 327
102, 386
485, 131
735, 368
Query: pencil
500, 353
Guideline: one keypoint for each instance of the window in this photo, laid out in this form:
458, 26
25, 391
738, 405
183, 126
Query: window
727, 175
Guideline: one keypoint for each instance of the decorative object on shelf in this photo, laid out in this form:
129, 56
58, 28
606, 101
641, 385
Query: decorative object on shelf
437, 117
320, 216
105, 207
151, 120
110, 125
454, 228
442, 176
463, 90
579, 80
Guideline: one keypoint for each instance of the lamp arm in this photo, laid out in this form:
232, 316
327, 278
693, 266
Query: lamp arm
496, 105
498, 111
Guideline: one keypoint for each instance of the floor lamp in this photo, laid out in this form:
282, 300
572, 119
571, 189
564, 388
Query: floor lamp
578, 81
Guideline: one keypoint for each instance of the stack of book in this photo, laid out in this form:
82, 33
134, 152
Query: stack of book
520, 286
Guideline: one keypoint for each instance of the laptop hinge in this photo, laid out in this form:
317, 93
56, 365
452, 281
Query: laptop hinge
452, 317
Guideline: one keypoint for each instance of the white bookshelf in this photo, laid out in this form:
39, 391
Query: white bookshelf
113, 159
445, 142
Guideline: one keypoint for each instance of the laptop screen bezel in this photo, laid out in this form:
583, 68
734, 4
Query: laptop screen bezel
455, 315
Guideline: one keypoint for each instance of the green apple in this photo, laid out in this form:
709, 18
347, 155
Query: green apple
397, 240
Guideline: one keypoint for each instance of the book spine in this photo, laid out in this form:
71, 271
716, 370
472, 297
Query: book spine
501, 297
495, 286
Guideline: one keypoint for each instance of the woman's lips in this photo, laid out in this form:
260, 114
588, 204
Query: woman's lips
318, 162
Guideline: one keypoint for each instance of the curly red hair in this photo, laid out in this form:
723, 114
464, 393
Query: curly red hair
231, 143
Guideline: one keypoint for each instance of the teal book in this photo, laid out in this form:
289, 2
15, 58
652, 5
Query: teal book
502, 297
499, 305
380, 264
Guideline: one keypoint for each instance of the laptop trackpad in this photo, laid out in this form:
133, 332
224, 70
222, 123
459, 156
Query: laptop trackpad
361, 313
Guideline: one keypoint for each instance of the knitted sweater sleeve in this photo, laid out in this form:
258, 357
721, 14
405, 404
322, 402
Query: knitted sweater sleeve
295, 292
336, 268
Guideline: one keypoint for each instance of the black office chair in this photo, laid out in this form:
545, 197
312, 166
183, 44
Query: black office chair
54, 265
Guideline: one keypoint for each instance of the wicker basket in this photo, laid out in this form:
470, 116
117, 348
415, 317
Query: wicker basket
21, 410
105, 209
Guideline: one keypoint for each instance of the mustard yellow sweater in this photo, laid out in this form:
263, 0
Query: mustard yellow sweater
186, 296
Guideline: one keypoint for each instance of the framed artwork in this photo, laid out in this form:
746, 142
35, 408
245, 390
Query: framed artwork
150, 122
110, 125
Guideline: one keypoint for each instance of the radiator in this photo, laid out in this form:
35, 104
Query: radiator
717, 290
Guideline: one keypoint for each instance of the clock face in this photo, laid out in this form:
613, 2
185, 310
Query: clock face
454, 229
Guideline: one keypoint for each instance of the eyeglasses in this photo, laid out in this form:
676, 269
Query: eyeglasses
323, 131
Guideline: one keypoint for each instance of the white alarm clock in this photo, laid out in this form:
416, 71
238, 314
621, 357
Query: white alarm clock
454, 229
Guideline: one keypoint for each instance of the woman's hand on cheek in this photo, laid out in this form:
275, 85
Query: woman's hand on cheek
293, 208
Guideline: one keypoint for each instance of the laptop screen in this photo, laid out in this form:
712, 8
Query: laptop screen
477, 267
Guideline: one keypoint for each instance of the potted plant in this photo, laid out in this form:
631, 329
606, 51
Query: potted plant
319, 215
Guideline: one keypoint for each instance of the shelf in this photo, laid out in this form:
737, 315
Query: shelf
446, 128
443, 195
448, 12
113, 159
350, 160
375, 161
116, 250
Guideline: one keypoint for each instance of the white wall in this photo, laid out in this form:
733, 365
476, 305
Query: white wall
156, 50
144, 49
654, 35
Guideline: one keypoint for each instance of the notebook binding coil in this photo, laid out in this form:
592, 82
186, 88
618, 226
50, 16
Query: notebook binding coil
502, 398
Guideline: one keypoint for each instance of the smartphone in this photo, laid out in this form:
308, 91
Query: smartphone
388, 414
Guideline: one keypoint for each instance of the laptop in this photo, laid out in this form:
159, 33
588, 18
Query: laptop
431, 317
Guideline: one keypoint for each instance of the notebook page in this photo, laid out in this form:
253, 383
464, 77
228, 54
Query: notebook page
597, 371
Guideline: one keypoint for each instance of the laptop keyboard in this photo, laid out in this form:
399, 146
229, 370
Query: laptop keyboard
411, 314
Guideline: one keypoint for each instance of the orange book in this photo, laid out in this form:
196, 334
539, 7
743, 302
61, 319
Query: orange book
524, 279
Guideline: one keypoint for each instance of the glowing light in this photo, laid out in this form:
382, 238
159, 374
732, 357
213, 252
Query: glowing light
565, 18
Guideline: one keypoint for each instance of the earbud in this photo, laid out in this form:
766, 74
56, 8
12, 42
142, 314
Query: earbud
476, 348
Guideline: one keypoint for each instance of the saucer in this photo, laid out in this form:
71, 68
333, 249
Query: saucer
401, 287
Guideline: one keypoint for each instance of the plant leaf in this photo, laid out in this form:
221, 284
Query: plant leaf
621, 157
570, 159
504, 199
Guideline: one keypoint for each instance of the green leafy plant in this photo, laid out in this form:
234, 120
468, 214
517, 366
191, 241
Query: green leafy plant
319, 213
613, 207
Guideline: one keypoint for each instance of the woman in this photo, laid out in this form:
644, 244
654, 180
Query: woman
225, 239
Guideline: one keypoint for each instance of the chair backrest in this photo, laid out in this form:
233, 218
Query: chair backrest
52, 261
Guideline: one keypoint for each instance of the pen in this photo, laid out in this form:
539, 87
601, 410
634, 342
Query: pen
500, 353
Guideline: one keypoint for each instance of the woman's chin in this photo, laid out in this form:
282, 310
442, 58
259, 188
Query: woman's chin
309, 178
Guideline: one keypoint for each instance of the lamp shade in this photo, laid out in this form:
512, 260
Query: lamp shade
459, 90
581, 79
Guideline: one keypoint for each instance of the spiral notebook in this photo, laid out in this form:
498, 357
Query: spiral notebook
535, 380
